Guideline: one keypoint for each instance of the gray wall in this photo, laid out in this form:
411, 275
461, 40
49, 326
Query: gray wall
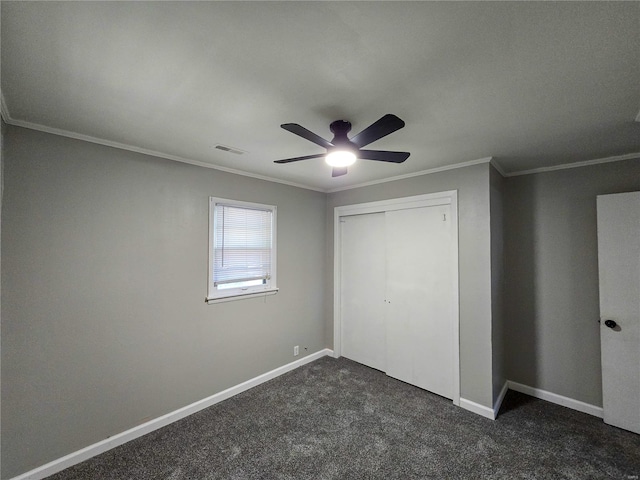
496, 196
551, 299
104, 276
3, 127
472, 184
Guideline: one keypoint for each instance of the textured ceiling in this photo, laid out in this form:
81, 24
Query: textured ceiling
531, 84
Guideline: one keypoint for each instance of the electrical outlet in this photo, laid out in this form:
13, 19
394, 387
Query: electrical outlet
296, 351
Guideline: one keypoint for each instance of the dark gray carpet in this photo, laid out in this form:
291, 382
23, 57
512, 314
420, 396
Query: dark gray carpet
336, 419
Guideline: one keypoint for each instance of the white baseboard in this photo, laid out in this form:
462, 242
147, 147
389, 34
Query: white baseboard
557, 399
498, 404
136, 432
477, 408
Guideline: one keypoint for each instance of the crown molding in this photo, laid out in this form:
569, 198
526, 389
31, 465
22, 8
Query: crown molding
415, 174
498, 167
146, 151
4, 112
586, 163
6, 116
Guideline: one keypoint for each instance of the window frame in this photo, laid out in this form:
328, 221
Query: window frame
217, 295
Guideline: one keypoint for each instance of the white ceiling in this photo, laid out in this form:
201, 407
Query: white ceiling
530, 84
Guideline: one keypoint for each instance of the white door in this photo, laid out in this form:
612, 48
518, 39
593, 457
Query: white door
619, 271
363, 286
420, 298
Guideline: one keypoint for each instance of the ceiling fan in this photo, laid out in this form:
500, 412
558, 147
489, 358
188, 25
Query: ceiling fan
343, 151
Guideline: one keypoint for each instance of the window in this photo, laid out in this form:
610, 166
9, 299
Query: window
242, 250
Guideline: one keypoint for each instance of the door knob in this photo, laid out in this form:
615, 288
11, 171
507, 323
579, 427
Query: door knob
610, 323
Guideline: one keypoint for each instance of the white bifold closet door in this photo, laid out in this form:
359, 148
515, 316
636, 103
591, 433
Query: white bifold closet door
363, 289
397, 294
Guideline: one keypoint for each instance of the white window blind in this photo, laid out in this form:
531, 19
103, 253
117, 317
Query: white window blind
242, 249
242, 244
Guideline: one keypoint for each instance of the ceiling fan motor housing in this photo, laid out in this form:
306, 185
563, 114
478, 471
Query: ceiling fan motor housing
340, 128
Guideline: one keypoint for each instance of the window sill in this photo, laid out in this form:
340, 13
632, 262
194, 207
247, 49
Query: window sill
241, 296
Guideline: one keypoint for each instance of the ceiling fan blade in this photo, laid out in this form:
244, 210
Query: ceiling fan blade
383, 156
297, 159
381, 128
338, 171
306, 134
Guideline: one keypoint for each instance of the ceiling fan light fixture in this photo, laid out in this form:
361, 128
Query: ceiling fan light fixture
343, 151
341, 158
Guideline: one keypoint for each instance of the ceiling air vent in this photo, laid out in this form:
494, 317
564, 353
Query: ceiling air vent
224, 148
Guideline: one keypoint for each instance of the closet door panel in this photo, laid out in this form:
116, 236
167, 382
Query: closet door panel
419, 299
363, 288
